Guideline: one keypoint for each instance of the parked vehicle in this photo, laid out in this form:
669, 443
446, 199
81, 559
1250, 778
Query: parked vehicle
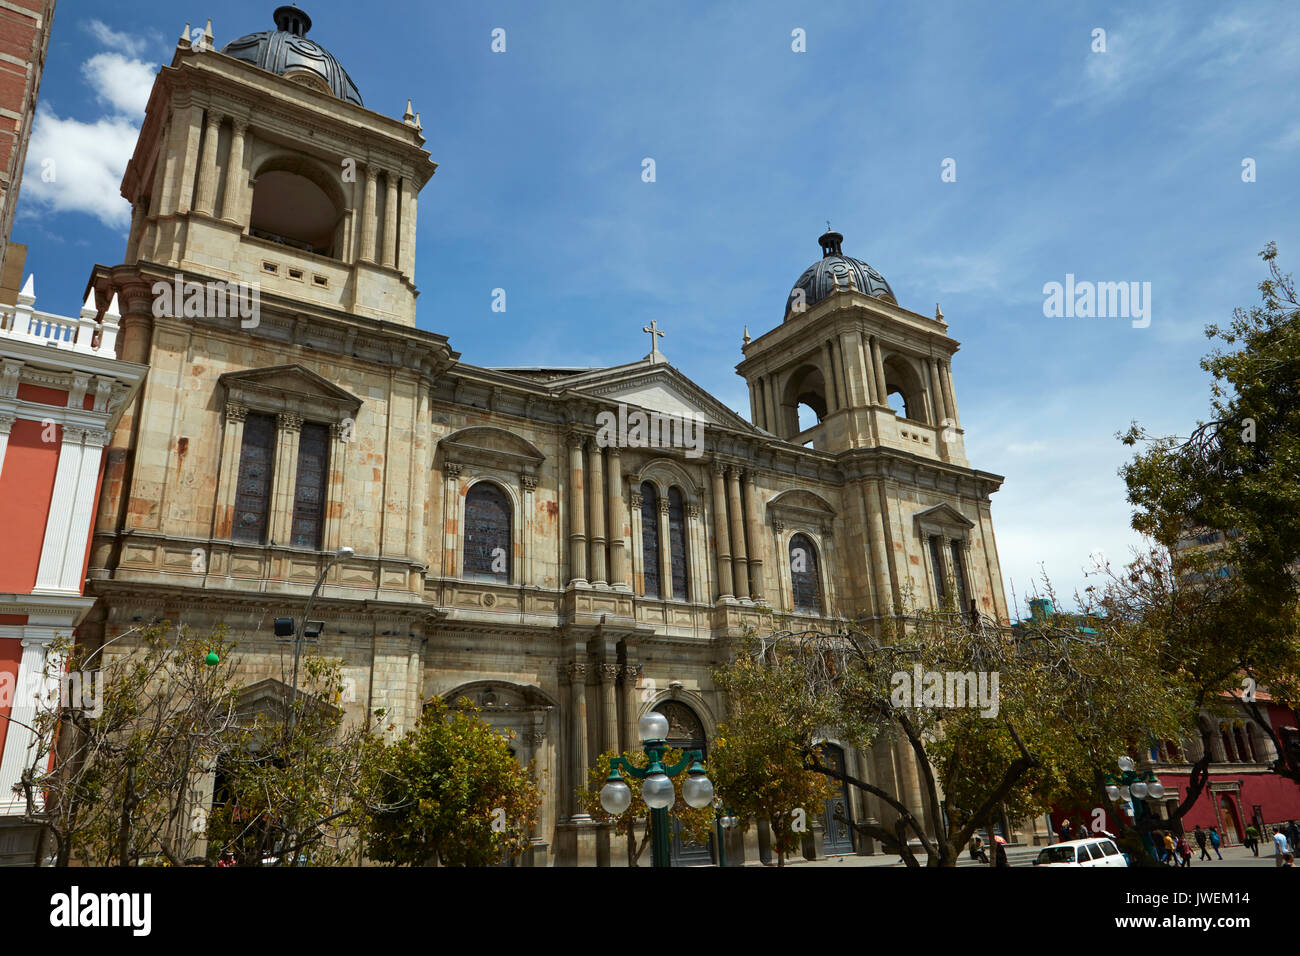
1090, 852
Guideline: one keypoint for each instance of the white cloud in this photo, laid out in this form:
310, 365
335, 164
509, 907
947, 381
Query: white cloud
107, 36
122, 83
77, 167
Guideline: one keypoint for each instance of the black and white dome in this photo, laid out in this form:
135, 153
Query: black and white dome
836, 272
287, 52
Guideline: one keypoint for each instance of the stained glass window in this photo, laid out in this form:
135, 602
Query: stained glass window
677, 542
253, 486
487, 533
309, 488
650, 539
959, 573
803, 574
936, 566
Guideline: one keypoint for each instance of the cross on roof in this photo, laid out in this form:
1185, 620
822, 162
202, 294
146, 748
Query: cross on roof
655, 335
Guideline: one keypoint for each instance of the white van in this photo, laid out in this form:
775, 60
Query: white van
1097, 851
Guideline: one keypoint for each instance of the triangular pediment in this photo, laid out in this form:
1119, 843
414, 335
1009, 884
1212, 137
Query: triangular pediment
269, 699
658, 387
289, 388
943, 517
491, 446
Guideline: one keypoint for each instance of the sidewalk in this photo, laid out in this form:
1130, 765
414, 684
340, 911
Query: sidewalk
1234, 856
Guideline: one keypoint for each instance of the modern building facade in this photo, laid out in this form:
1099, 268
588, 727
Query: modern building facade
505, 547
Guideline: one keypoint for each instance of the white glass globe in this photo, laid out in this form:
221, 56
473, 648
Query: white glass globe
653, 726
1124, 792
1126, 763
657, 791
697, 791
1139, 790
615, 797
1156, 790
1113, 792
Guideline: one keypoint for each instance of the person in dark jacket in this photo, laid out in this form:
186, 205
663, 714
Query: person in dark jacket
1215, 841
1199, 835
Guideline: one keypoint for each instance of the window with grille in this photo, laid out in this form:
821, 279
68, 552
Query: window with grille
253, 486
650, 539
936, 565
803, 574
677, 542
487, 533
309, 486
959, 574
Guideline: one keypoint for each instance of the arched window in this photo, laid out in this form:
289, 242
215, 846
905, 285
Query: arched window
487, 533
650, 539
1229, 753
803, 574
1243, 754
677, 542
290, 209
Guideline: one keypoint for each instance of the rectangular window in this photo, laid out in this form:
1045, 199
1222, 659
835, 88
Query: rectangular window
959, 573
309, 491
936, 563
253, 487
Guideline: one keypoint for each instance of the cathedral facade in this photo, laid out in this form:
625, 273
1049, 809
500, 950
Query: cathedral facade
568, 548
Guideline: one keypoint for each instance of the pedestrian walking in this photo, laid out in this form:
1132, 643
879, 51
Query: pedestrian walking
1292, 835
1184, 852
1171, 857
1064, 832
1281, 847
1288, 859
1252, 839
1214, 842
999, 855
1199, 835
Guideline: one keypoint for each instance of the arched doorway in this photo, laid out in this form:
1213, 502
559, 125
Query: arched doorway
685, 730
1232, 828
838, 833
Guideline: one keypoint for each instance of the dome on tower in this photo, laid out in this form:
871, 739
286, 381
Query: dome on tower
836, 272
287, 52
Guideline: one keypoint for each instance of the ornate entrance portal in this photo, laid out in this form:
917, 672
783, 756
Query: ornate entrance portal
839, 833
687, 732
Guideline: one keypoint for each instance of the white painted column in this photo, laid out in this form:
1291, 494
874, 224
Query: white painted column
31, 686
6, 423
71, 505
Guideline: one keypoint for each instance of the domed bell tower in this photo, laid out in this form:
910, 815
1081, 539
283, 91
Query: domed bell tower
850, 368
260, 163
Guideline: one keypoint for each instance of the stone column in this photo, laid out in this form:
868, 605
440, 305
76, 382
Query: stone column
529, 484
665, 552
879, 551
945, 378
936, 394
618, 570
390, 220
577, 734
739, 561
577, 514
331, 533
721, 535
696, 569
208, 164
751, 530
609, 707
284, 477
450, 515
369, 218
232, 203
834, 400
878, 364
406, 249
631, 706
138, 211
191, 132
595, 465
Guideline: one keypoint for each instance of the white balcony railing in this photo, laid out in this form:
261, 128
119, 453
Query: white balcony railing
89, 333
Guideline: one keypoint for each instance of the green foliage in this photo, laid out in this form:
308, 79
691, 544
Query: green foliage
438, 789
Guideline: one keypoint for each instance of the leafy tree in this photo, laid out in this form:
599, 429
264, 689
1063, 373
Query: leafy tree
696, 824
758, 761
451, 791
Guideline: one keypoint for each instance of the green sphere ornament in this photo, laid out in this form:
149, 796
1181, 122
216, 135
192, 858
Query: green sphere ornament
212, 660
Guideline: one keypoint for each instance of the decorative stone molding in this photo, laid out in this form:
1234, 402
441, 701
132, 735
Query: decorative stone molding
236, 413
609, 673
528, 481
290, 390
801, 509
452, 469
637, 500
288, 421
577, 671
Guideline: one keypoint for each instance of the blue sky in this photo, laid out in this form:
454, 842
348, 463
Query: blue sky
1117, 166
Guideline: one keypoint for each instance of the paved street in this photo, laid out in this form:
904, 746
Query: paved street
1024, 856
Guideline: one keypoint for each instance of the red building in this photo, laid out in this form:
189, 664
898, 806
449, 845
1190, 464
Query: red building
62, 391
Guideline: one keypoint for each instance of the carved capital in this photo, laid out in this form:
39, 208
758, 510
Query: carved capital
778, 525
529, 482
637, 500
215, 118
236, 412
663, 506
631, 673
577, 671
97, 436
6, 423
693, 512
289, 421
720, 469
452, 469
609, 673
536, 739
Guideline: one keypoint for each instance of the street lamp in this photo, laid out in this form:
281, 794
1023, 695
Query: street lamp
656, 783
1134, 786
309, 628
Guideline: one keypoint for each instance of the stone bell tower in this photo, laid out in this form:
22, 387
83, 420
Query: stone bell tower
260, 163
844, 349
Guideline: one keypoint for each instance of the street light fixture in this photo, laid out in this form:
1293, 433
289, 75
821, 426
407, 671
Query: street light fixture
1134, 787
656, 783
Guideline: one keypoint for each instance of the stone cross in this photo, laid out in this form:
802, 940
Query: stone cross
655, 335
